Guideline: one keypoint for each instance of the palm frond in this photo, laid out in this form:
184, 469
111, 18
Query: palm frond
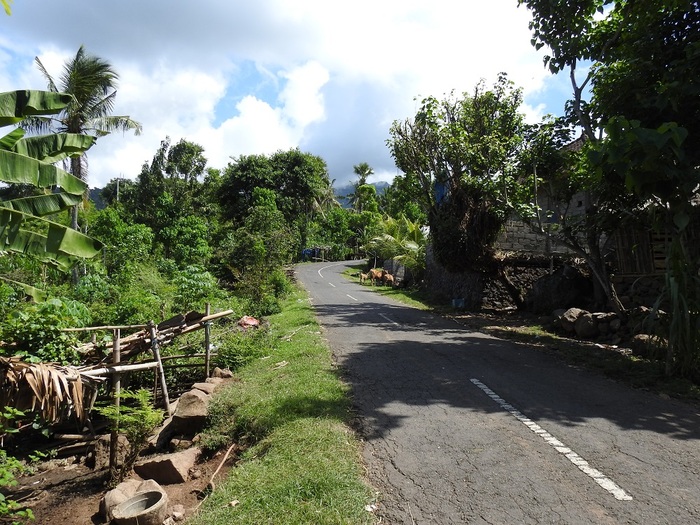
49, 79
53, 391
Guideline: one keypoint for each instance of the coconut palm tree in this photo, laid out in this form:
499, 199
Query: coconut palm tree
92, 82
357, 197
403, 240
363, 171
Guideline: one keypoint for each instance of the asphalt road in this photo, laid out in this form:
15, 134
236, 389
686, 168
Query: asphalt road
461, 427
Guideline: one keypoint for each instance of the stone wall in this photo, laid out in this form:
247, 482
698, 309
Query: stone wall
520, 237
446, 286
476, 290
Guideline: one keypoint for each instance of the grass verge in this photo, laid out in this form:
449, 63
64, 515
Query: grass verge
291, 410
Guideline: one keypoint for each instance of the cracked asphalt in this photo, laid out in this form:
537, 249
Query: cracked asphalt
460, 427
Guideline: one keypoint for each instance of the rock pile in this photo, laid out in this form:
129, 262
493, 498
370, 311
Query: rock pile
607, 326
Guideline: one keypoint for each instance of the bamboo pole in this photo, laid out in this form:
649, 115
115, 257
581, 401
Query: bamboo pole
107, 370
207, 345
161, 372
114, 435
120, 327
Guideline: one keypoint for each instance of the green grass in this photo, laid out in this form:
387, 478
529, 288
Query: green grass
291, 410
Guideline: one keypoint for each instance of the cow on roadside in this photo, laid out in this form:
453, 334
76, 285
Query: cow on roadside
375, 274
387, 279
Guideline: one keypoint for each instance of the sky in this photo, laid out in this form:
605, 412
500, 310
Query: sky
240, 77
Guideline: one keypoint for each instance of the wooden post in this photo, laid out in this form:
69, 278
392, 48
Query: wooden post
114, 436
207, 341
161, 372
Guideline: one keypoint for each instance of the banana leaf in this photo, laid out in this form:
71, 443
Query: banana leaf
55, 147
15, 106
36, 294
60, 246
42, 205
20, 169
8, 141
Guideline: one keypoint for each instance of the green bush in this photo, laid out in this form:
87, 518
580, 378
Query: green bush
91, 288
8, 299
280, 283
195, 287
35, 331
10, 467
138, 306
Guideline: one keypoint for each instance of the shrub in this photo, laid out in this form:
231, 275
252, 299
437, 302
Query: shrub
8, 299
136, 418
280, 283
195, 286
91, 288
10, 466
35, 331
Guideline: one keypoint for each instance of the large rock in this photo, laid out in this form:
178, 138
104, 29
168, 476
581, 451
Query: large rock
188, 419
191, 413
168, 468
645, 345
568, 319
586, 326
223, 373
207, 388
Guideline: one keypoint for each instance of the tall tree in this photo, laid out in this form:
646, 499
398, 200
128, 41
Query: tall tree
299, 181
401, 197
461, 152
362, 193
363, 172
168, 191
92, 82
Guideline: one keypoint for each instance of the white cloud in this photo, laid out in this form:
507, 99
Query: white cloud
301, 97
253, 77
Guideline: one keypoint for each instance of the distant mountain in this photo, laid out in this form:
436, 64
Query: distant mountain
95, 195
342, 192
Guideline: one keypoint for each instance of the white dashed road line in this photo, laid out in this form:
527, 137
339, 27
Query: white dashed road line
351, 297
387, 318
572, 456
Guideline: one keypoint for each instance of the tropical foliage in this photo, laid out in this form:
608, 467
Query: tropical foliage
404, 241
642, 122
25, 227
91, 82
460, 153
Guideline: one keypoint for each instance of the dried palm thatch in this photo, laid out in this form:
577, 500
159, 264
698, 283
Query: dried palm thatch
53, 391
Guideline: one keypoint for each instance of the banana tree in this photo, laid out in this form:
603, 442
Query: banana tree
24, 227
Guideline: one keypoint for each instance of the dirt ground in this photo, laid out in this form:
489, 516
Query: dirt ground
67, 493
